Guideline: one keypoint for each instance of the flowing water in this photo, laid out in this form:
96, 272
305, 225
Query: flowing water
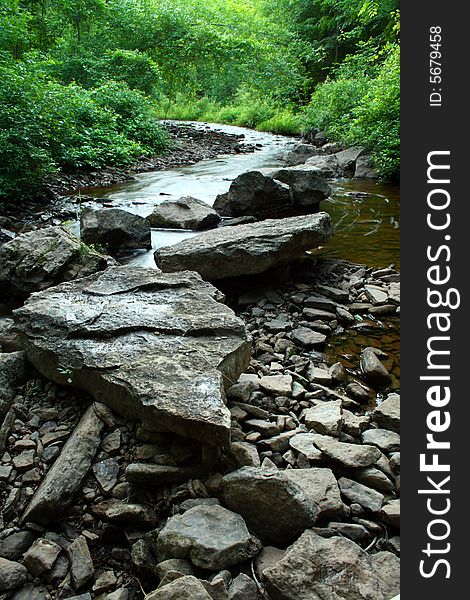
366, 214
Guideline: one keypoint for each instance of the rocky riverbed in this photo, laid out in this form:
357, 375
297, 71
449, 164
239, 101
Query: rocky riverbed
164, 438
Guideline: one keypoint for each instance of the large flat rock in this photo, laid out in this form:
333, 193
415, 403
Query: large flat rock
246, 249
153, 346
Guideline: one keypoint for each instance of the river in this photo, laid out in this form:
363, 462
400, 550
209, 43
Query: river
365, 213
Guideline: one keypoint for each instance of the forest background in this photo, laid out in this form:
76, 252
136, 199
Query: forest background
84, 83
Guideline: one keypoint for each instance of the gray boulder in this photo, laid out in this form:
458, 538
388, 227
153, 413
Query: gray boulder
308, 187
153, 346
326, 166
365, 169
12, 575
212, 537
374, 371
350, 455
332, 569
274, 507
319, 483
115, 229
183, 588
347, 159
185, 213
299, 154
387, 414
37, 260
246, 249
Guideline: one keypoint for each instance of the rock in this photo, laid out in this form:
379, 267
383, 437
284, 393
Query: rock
364, 168
376, 479
156, 475
353, 531
274, 507
347, 159
39, 259
354, 424
105, 582
387, 414
307, 337
212, 537
267, 558
319, 484
183, 588
317, 375
41, 556
184, 213
15, 545
349, 455
359, 392
325, 417
330, 569
114, 229
12, 374
106, 474
356, 492
375, 294
256, 194
121, 594
299, 154
82, 569
326, 165
278, 385
118, 511
243, 588
387, 441
308, 187
394, 292
374, 371
246, 249
390, 513
304, 443
12, 575
24, 461
116, 334
245, 454
175, 564
66, 475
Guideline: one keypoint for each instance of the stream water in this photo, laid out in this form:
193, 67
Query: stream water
366, 214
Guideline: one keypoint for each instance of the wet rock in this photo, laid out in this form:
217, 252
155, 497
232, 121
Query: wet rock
65, 477
82, 569
359, 392
274, 507
331, 569
325, 418
243, 588
183, 588
114, 229
387, 441
39, 259
121, 343
184, 213
41, 556
118, 511
319, 484
356, 492
246, 249
387, 414
375, 294
212, 537
347, 159
374, 371
350, 455
317, 375
12, 575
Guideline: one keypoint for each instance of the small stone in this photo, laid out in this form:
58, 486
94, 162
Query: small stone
375, 294
354, 424
245, 454
390, 513
82, 569
12, 575
41, 556
106, 473
183, 588
307, 337
356, 492
175, 564
266, 428
278, 385
32, 476
24, 461
325, 418
317, 375
111, 444
16, 544
105, 582
387, 414
337, 373
374, 371
267, 558
321, 486
387, 441
243, 588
